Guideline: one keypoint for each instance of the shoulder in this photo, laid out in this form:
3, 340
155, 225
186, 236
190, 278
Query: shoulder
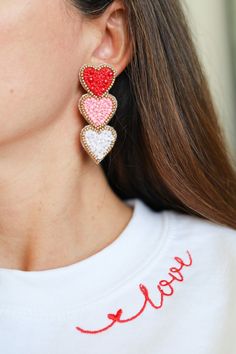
182, 225
179, 229
206, 238
183, 230
176, 240
185, 224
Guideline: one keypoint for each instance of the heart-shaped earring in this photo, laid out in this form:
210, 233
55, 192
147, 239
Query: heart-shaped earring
97, 80
98, 110
97, 107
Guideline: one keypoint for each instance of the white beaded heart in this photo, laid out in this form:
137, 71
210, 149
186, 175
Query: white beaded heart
98, 142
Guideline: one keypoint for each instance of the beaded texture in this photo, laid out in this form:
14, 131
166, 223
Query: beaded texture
97, 80
98, 142
98, 110
97, 107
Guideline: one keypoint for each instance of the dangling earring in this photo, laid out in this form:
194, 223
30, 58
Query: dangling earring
97, 107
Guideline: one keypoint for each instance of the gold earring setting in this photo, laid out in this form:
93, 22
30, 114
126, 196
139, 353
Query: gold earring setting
97, 107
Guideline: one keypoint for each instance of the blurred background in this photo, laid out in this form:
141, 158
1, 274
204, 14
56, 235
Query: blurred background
213, 24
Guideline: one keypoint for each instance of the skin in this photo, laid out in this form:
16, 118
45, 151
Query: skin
56, 206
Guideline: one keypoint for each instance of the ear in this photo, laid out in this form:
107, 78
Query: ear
114, 46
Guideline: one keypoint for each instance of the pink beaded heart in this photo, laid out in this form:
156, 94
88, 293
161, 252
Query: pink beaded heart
97, 80
98, 110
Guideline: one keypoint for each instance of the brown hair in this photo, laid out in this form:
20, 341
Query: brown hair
170, 151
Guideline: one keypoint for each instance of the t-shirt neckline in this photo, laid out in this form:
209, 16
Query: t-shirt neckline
79, 284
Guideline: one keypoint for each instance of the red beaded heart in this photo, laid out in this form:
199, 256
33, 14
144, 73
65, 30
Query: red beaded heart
97, 80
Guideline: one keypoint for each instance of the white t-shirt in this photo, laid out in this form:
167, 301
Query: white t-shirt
166, 285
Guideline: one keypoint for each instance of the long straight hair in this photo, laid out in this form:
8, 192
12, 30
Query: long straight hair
171, 151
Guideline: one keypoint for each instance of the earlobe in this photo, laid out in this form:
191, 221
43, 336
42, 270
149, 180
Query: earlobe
114, 47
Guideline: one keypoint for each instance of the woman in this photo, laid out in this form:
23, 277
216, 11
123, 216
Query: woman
136, 254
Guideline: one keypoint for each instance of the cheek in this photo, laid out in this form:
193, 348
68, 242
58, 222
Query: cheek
38, 64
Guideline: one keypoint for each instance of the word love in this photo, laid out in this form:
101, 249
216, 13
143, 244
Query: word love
165, 288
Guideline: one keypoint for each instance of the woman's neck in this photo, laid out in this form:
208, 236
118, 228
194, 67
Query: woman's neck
56, 207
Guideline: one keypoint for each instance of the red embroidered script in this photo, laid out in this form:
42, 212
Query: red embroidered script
164, 287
